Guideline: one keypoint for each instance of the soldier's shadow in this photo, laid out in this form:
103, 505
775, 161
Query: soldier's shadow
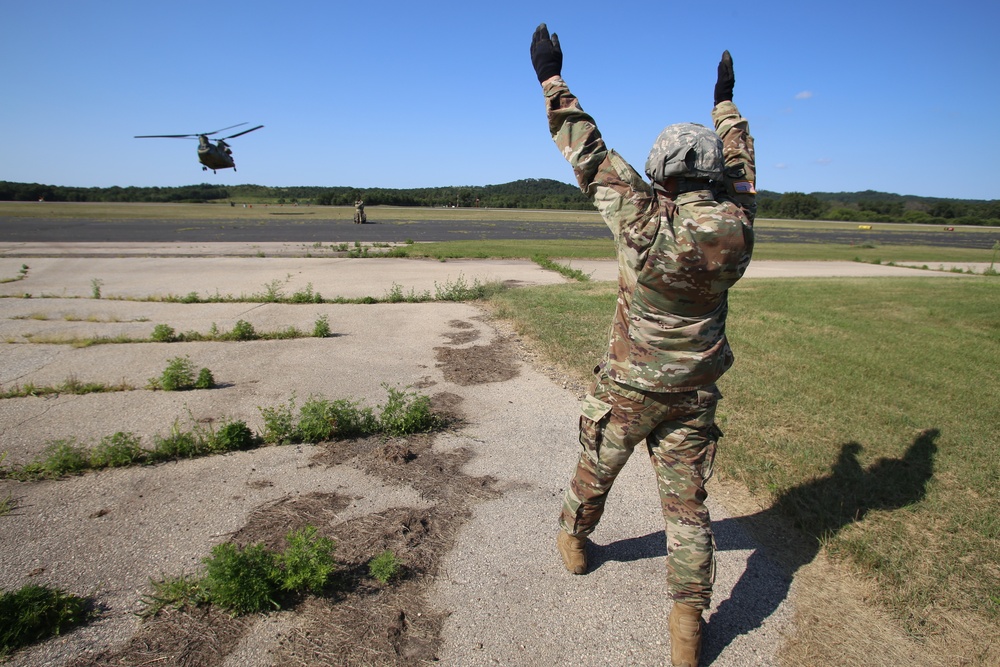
822, 508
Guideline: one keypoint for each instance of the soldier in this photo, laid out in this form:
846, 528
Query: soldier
359, 211
682, 240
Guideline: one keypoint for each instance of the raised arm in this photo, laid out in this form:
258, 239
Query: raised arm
603, 175
740, 175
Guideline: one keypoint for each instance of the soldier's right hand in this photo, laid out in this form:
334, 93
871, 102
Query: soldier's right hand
546, 54
726, 81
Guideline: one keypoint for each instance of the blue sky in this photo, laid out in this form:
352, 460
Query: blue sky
840, 96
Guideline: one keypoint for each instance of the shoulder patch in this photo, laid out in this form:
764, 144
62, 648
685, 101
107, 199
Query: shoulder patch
744, 187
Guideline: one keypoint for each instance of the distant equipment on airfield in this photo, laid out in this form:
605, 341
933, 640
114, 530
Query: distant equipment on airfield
212, 156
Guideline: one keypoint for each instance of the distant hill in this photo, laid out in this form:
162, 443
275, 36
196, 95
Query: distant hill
532, 193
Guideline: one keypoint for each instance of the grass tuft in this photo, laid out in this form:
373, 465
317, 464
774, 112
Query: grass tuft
34, 613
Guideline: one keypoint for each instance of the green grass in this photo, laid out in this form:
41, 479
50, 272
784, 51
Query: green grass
34, 613
70, 385
870, 253
866, 409
512, 249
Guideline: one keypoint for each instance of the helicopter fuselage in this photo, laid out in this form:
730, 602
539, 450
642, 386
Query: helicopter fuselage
215, 156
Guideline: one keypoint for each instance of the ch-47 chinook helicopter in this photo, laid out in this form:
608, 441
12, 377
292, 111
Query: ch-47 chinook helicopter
212, 156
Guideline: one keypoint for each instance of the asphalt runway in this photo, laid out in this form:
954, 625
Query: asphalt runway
299, 230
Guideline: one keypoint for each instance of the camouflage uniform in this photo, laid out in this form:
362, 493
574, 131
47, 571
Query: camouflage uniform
677, 256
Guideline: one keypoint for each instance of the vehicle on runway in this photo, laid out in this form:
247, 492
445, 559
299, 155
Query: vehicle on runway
212, 156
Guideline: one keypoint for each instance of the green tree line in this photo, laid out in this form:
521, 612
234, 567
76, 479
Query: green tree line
872, 206
531, 193
527, 193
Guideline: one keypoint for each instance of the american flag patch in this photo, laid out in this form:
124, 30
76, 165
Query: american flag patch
745, 187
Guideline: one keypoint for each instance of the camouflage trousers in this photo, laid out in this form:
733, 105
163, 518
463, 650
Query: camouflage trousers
680, 435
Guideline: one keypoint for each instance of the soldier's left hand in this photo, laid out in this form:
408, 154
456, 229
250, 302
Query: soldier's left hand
546, 54
726, 81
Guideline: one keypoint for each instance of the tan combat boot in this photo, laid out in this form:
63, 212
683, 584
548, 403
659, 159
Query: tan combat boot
573, 551
685, 635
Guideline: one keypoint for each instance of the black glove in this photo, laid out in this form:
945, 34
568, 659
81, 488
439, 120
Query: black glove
546, 55
726, 81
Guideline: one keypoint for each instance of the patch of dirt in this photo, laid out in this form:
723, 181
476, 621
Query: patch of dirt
523, 350
478, 364
190, 637
447, 405
359, 621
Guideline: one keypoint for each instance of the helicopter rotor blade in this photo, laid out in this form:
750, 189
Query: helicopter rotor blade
208, 134
165, 136
240, 134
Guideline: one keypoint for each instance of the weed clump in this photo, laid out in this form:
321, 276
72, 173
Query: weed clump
384, 567
205, 379
307, 563
320, 419
321, 329
406, 412
117, 450
61, 457
179, 376
163, 333
241, 580
252, 579
242, 330
233, 436
34, 613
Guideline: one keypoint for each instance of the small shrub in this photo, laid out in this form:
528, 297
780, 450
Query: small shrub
177, 376
406, 412
114, 451
163, 333
307, 563
272, 290
63, 457
34, 613
317, 421
395, 294
243, 330
384, 567
95, 287
205, 379
279, 423
233, 436
242, 581
351, 420
321, 329
177, 445
306, 295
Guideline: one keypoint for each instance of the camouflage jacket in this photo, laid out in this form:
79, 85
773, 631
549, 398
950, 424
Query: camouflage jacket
677, 257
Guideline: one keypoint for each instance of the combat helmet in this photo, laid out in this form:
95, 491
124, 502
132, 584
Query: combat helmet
687, 150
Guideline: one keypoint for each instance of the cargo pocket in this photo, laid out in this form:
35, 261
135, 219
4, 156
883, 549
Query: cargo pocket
593, 419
